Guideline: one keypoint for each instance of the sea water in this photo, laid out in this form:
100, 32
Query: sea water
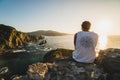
67, 42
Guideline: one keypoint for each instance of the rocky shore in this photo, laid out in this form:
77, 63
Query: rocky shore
106, 67
10, 38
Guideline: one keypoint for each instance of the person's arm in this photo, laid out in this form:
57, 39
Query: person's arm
75, 37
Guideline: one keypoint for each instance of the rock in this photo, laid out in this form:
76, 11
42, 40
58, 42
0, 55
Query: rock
3, 70
116, 76
109, 59
11, 38
67, 70
62, 67
2, 79
20, 78
43, 42
37, 71
57, 54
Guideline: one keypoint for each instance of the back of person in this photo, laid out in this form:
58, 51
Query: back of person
85, 44
85, 47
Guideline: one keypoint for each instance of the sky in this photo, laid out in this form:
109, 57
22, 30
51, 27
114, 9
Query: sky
61, 15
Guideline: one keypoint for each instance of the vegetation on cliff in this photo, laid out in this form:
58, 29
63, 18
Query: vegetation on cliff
11, 38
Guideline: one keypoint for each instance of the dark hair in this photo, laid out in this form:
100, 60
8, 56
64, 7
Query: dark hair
86, 25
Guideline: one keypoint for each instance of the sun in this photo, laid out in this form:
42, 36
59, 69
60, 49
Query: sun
103, 27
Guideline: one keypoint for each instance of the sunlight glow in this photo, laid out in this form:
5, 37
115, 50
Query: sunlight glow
104, 27
102, 42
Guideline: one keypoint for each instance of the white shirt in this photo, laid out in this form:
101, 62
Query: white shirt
85, 47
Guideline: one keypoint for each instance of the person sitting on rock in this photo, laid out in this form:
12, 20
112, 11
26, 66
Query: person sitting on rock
85, 43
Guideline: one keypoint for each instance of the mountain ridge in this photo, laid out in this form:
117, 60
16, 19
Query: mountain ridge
47, 33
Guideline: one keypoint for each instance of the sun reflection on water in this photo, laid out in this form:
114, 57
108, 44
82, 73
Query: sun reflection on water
102, 43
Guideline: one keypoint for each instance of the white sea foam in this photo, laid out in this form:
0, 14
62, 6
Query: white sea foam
20, 50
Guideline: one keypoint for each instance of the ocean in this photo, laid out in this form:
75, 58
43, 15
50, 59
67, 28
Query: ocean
60, 42
67, 42
113, 42
34, 52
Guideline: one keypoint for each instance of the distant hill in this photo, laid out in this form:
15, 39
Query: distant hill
12, 38
47, 33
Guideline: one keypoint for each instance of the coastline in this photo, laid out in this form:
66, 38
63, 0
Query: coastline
33, 53
106, 57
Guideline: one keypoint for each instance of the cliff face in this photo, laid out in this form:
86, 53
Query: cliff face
11, 38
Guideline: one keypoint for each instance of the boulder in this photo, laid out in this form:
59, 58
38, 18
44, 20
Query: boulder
57, 54
43, 42
109, 60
